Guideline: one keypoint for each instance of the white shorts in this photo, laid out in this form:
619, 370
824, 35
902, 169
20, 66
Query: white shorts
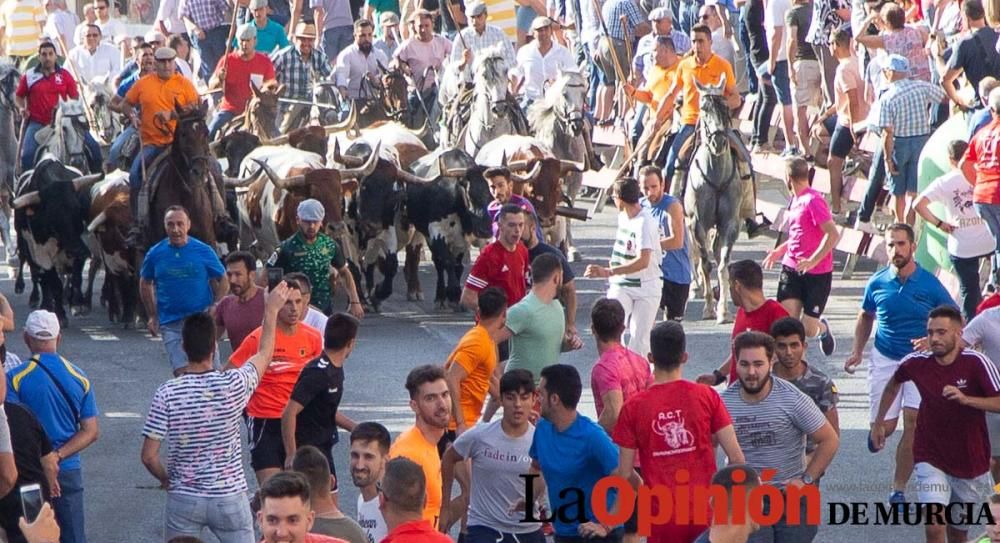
936, 486
880, 369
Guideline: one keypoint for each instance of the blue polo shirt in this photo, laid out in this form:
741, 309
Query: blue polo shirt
33, 387
576, 458
901, 308
269, 38
676, 263
181, 275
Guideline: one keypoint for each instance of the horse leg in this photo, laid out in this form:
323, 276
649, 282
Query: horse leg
727, 232
575, 181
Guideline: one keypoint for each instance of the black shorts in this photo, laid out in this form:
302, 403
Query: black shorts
842, 141
503, 350
448, 438
632, 524
812, 290
266, 448
673, 298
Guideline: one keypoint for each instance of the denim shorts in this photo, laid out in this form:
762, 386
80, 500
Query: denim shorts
782, 85
171, 334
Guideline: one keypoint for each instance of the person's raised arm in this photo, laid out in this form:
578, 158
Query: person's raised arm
275, 300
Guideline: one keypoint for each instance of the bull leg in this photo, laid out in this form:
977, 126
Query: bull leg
52, 295
440, 256
129, 294
36, 286
356, 273
79, 300
411, 268
455, 283
110, 292
390, 266
9, 247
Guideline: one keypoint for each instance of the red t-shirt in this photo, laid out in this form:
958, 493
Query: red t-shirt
758, 320
237, 92
498, 267
671, 426
44, 94
416, 531
983, 153
993, 300
951, 437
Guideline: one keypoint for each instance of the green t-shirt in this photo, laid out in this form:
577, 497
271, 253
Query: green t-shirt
379, 7
314, 259
538, 334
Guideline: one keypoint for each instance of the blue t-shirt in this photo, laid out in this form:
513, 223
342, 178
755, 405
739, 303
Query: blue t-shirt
576, 458
181, 275
901, 308
676, 264
269, 38
33, 387
126, 84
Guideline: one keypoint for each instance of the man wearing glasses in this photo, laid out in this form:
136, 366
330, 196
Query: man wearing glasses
96, 57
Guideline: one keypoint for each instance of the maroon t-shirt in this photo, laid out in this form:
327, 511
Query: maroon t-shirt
758, 320
950, 436
240, 318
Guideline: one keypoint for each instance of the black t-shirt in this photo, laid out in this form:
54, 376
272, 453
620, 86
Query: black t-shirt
800, 16
319, 389
976, 54
30, 445
755, 29
545, 248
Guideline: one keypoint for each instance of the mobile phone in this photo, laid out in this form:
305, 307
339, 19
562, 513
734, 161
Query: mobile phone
31, 501
274, 276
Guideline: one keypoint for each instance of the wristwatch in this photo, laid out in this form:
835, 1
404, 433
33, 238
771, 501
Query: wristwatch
807, 479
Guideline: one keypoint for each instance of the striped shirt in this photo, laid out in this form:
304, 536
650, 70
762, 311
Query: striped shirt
200, 415
636, 234
492, 37
296, 73
772, 432
614, 9
905, 107
23, 20
503, 15
207, 14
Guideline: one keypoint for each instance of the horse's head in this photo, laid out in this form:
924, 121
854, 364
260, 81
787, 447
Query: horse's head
566, 97
491, 78
262, 111
9, 77
100, 93
394, 99
70, 126
714, 118
191, 144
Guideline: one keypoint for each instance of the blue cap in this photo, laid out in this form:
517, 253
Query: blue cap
311, 210
898, 63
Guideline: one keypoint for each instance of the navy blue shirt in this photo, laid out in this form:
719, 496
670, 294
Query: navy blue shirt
901, 308
181, 275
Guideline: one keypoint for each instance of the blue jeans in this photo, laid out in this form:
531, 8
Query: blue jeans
906, 156
218, 121
689, 14
876, 178
228, 518
675, 148
763, 107
990, 213
782, 85
782, 531
114, 153
147, 154
69, 507
745, 41
967, 270
637, 123
212, 48
171, 333
30, 147
485, 534
336, 39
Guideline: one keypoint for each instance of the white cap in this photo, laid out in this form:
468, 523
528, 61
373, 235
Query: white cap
42, 324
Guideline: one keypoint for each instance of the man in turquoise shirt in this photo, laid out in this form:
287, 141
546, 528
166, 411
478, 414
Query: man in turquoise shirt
270, 35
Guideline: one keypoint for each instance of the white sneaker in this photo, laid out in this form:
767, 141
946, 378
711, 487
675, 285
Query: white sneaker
866, 227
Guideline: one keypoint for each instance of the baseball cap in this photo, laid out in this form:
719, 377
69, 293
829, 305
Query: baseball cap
898, 63
42, 324
153, 36
257, 4
165, 53
311, 210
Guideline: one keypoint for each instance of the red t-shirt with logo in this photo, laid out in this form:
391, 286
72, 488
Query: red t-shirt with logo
44, 94
951, 437
758, 320
983, 152
498, 267
237, 92
671, 426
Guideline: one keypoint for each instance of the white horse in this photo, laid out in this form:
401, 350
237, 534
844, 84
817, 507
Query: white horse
64, 138
494, 112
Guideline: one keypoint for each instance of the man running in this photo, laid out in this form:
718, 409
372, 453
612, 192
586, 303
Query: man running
675, 266
503, 263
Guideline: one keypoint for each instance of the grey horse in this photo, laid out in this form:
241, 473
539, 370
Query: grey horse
494, 112
557, 121
712, 198
9, 78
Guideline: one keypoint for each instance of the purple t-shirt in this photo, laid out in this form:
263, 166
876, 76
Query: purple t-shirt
493, 208
619, 369
806, 213
240, 318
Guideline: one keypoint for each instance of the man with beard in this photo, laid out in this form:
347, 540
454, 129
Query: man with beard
240, 312
899, 298
294, 346
431, 401
358, 62
763, 405
498, 454
369, 453
951, 447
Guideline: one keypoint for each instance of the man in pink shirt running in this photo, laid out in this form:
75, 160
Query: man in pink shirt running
807, 255
619, 373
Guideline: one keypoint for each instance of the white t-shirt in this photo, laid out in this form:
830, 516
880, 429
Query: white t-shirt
113, 31
971, 237
370, 519
634, 235
982, 331
316, 319
775, 18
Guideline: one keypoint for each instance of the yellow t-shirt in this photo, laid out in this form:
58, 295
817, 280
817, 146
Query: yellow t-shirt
709, 73
413, 445
503, 13
477, 354
22, 20
151, 95
660, 81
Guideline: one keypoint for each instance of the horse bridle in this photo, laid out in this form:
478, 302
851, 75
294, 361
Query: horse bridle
573, 118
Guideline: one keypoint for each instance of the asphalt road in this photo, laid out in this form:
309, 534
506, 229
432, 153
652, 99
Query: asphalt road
126, 366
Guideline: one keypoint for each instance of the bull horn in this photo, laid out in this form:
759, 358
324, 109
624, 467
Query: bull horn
30, 199
419, 133
97, 222
348, 123
86, 181
408, 177
283, 183
450, 172
366, 169
238, 182
568, 166
346, 160
531, 175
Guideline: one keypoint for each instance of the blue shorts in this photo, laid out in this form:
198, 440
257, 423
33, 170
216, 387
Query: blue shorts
842, 141
782, 85
525, 15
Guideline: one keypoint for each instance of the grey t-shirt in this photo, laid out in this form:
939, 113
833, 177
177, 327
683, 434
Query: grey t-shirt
498, 460
772, 432
800, 16
344, 528
6, 447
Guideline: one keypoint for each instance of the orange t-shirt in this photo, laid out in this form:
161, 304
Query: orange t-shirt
709, 73
291, 354
152, 95
413, 445
477, 354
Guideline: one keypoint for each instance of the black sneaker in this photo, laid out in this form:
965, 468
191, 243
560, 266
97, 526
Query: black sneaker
754, 228
826, 341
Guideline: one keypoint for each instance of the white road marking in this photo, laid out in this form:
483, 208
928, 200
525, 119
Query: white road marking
122, 415
99, 334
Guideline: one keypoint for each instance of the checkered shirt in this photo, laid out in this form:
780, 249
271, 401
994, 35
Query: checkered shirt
294, 72
207, 14
492, 36
614, 9
905, 107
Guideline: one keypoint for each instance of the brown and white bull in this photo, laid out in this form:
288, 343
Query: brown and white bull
108, 224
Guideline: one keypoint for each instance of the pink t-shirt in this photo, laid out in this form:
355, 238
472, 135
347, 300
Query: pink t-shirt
239, 318
422, 55
619, 369
806, 213
849, 78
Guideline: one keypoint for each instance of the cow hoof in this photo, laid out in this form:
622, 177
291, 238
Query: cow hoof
18, 288
127, 326
33, 303
420, 296
412, 297
573, 255
708, 315
441, 306
456, 307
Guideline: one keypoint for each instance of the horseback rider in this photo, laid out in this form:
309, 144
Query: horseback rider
295, 67
38, 95
235, 73
421, 57
541, 60
147, 65
358, 62
476, 38
706, 68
